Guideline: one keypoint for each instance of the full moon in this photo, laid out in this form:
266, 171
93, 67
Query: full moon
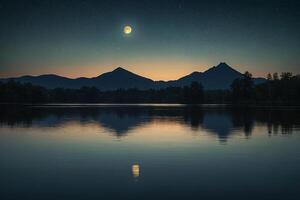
127, 29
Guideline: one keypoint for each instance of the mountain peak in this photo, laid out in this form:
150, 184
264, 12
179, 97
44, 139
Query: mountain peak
223, 65
120, 69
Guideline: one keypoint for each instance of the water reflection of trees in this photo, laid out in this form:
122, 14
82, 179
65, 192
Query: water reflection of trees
279, 121
243, 118
120, 120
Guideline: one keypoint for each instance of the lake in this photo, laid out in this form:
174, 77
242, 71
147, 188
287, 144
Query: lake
149, 152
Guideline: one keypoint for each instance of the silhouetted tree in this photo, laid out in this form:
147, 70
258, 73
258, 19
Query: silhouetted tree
275, 76
242, 89
286, 75
269, 77
194, 93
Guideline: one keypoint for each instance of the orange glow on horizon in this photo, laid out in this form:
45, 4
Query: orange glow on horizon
155, 70
156, 73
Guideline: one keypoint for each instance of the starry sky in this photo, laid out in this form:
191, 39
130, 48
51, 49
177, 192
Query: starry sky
169, 39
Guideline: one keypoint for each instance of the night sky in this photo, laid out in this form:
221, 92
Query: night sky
169, 39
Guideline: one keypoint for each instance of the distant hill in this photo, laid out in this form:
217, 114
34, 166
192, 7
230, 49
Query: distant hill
217, 77
121, 78
47, 80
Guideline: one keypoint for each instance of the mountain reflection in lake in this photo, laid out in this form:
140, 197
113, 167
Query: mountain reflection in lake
122, 120
89, 152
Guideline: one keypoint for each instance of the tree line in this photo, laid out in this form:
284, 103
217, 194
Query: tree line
276, 90
15, 92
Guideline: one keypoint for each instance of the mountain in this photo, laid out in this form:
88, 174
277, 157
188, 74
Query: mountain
217, 77
47, 80
121, 78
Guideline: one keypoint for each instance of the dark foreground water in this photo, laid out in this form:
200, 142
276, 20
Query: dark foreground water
149, 152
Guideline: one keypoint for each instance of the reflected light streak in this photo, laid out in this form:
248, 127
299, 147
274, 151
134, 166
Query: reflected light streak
135, 169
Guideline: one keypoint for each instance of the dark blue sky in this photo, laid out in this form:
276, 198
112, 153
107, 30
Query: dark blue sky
169, 38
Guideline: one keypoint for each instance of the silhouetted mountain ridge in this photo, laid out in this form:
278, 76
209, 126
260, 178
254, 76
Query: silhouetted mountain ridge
120, 78
216, 77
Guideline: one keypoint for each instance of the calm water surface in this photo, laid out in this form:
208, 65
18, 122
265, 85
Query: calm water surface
149, 152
